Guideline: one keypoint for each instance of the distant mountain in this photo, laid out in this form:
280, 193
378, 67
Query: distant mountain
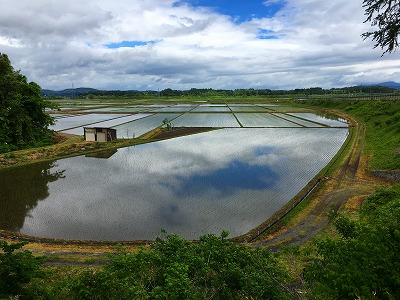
390, 84
68, 92
384, 87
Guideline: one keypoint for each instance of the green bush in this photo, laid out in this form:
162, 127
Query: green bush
172, 268
4, 148
364, 262
17, 269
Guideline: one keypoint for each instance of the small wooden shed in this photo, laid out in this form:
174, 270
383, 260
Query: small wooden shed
99, 134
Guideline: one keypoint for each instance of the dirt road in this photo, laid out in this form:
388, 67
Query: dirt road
349, 185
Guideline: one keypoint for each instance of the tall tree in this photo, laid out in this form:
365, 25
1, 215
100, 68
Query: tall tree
386, 15
23, 121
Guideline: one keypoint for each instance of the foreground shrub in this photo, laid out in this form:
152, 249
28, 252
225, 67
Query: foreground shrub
17, 269
364, 262
172, 268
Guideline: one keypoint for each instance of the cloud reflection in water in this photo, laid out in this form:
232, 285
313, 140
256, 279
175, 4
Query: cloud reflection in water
237, 175
231, 179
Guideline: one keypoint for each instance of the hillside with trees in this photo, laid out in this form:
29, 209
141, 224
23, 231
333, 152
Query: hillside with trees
87, 93
23, 121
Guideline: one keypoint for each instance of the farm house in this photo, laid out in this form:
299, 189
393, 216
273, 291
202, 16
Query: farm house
99, 134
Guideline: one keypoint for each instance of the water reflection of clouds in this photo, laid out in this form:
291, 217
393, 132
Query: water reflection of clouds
224, 179
204, 152
236, 175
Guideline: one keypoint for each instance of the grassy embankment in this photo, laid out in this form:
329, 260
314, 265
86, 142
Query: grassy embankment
382, 121
65, 147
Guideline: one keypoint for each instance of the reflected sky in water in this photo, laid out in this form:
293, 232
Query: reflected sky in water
247, 176
232, 179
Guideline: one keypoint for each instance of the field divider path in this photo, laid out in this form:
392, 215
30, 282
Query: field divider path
333, 193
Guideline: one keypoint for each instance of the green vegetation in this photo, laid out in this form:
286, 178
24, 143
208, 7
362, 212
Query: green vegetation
385, 15
382, 121
17, 269
363, 262
171, 268
213, 268
23, 121
168, 124
205, 94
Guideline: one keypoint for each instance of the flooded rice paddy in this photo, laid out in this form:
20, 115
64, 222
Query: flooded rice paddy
233, 178
138, 120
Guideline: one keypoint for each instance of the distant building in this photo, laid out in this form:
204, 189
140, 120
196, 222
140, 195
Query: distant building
99, 134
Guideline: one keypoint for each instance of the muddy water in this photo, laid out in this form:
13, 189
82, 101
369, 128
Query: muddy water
230, 179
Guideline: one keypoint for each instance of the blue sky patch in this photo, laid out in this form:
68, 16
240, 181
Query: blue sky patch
241, 11
128, 44
266, 34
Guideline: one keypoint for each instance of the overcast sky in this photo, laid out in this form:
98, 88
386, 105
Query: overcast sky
220, 44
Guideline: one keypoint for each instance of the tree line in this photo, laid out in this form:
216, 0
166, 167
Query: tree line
218, 93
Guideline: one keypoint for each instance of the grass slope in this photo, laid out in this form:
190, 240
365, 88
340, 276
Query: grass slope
382, 121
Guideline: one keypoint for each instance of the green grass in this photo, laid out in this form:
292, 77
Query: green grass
382, 121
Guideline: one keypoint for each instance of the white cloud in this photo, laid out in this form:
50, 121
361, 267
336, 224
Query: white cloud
317, 43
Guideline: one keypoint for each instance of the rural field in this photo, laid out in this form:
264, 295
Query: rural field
200, 149
252, 160
274, 175
134, 121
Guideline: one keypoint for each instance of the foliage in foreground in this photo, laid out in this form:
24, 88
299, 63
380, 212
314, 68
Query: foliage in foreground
364, 261
384, 14
213, 268
17, 269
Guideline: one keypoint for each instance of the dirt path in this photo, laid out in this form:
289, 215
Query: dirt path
349, 186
